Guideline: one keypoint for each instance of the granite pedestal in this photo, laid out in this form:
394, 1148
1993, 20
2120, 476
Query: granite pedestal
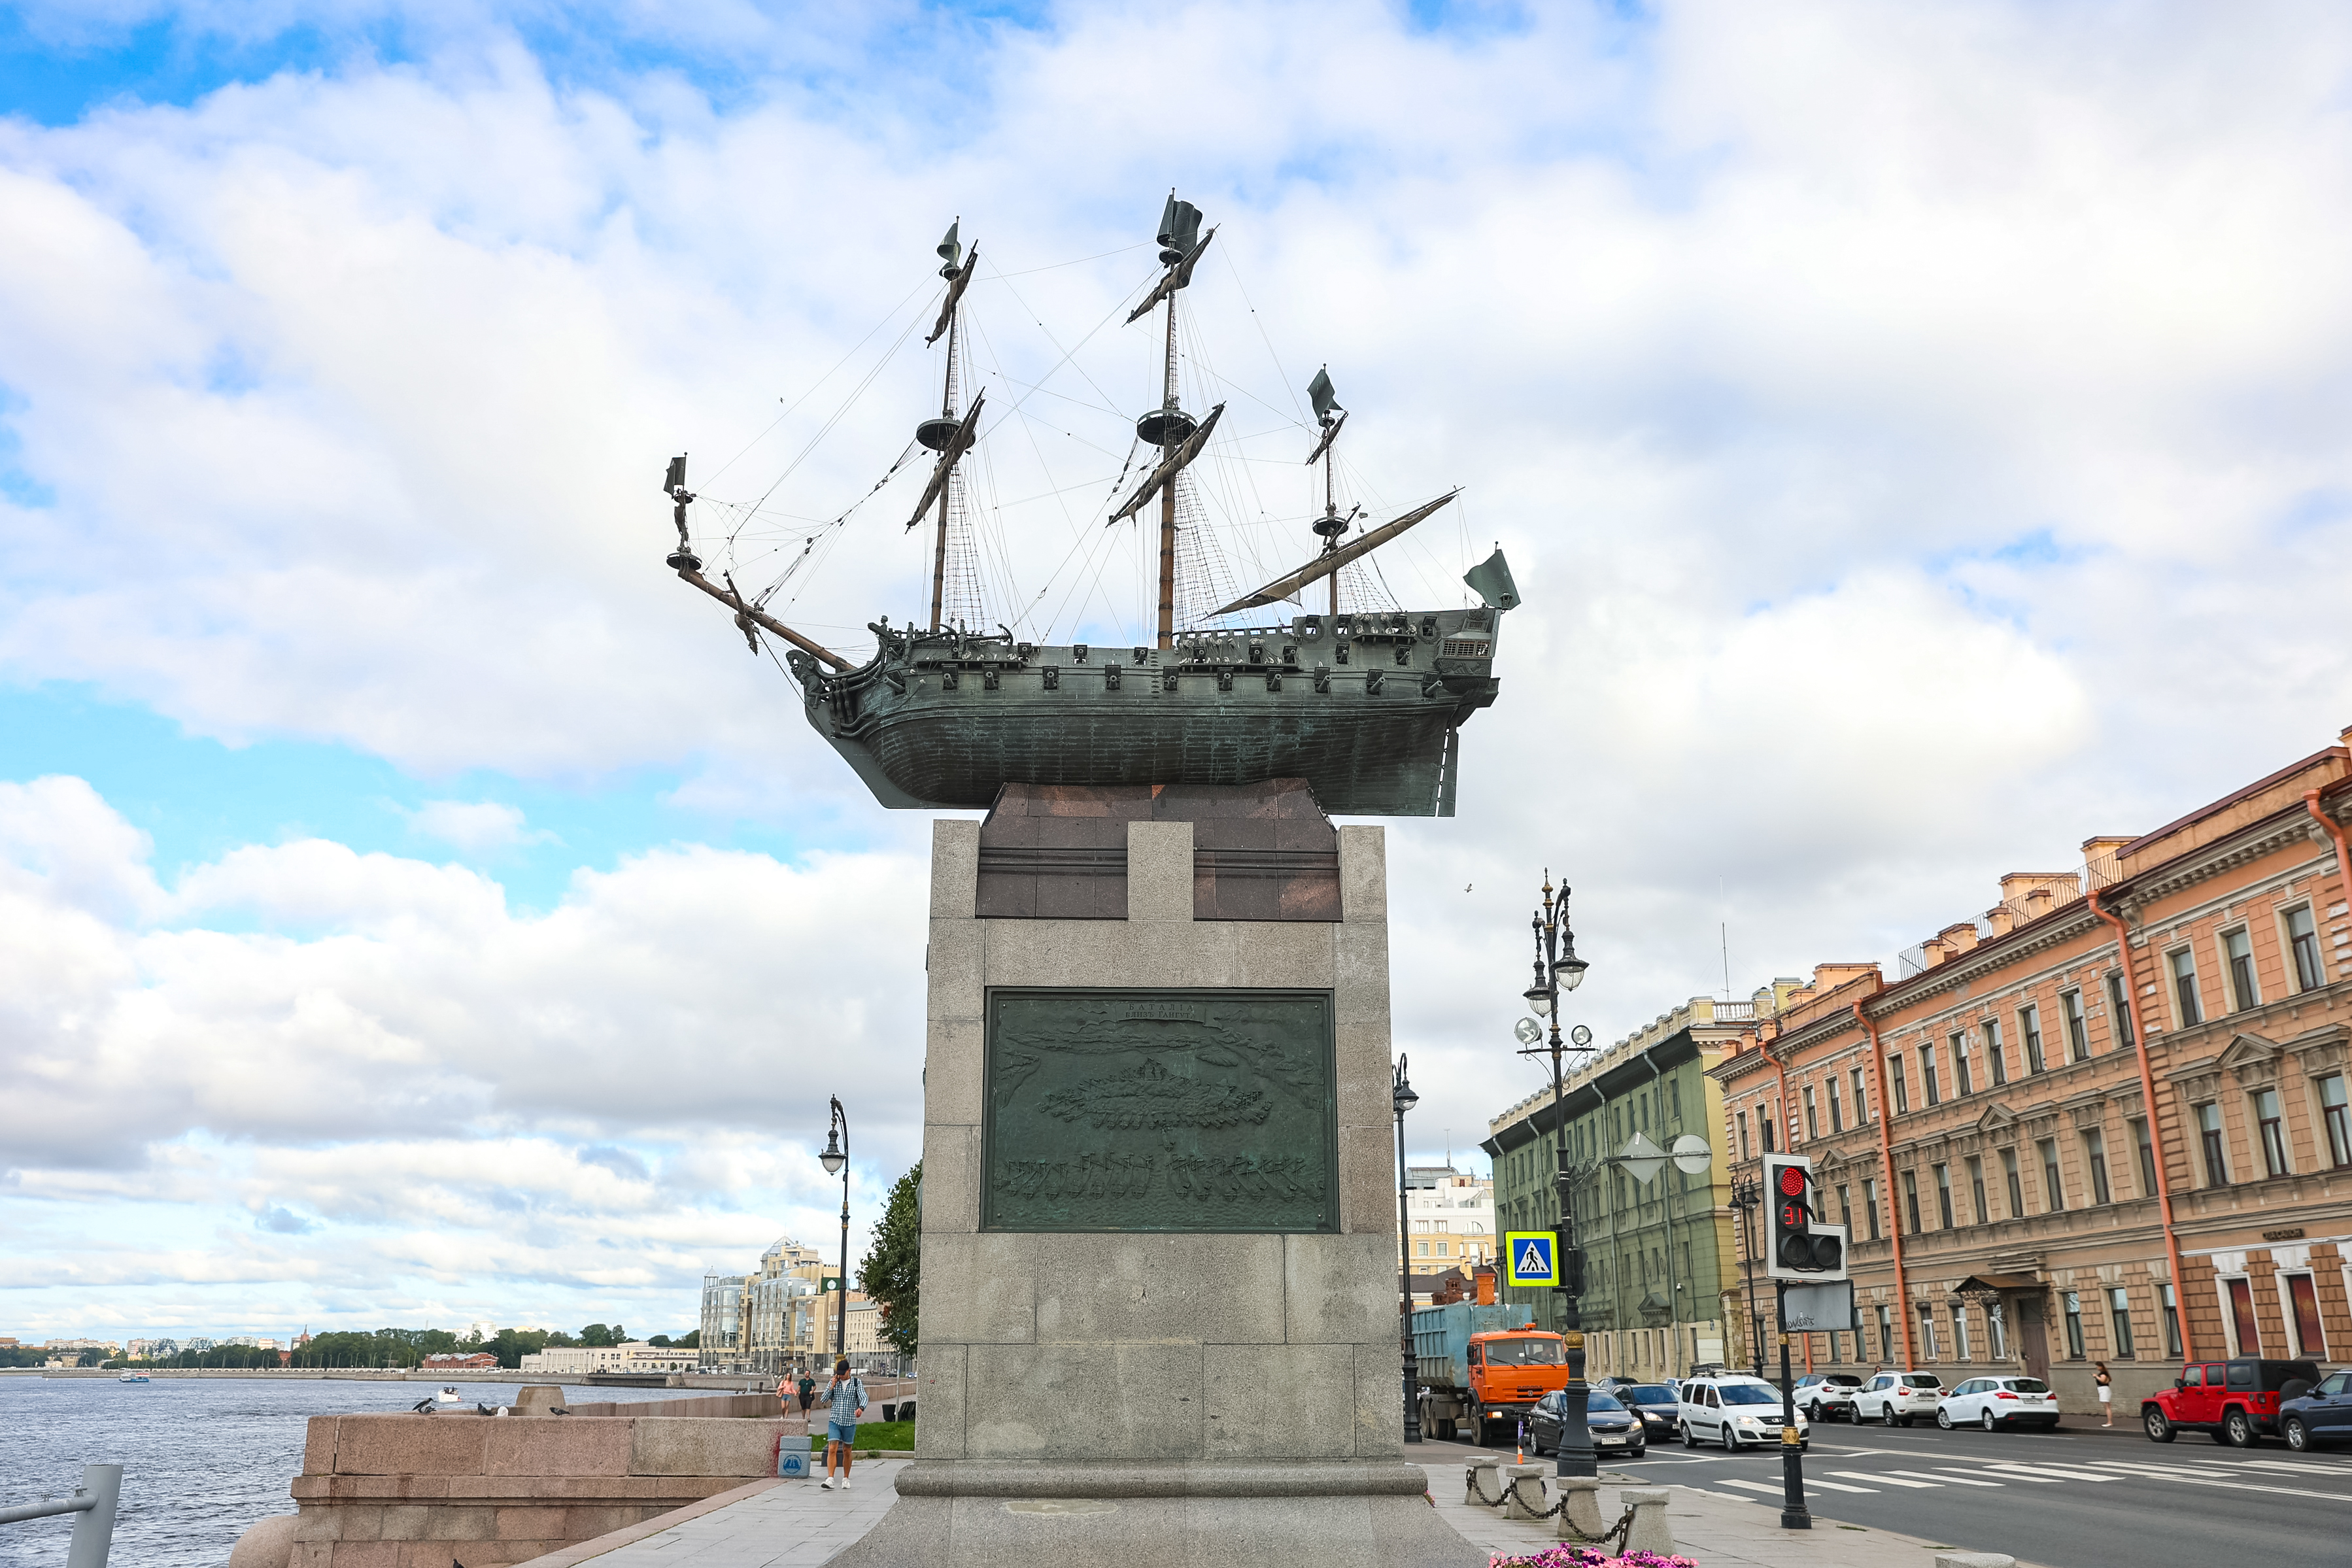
1160, 1243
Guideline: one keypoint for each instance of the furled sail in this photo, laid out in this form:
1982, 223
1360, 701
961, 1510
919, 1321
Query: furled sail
1179, 273
1322, 566
958, 444
959, 279
1170, 466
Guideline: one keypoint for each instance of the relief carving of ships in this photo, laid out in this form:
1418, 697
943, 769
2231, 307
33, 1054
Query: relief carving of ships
1344, 686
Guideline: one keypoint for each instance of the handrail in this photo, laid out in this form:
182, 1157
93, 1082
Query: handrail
94, 1501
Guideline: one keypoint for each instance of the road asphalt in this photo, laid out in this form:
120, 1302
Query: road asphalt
2069, 1499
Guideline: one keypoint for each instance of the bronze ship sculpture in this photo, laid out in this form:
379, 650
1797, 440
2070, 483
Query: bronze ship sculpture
1364, 701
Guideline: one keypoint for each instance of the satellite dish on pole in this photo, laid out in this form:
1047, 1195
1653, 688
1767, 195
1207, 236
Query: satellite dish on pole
1692, 1156
1642, 1158
1527, 1031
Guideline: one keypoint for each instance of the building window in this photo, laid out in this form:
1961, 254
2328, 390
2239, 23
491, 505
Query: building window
2016, 1187
2120, 1007
1870, 1204
1911, 1199
2273, 1134
2029, 1024
2303, 1307
2303, 940
1902, 1085
1961, 1078
1944, 1194
1994, 1055
2171, 1304
2208, 1137
1743, 1135
2120, 1343
2332, 1112
1845, 1209
1812, 1115
1886, 1334
1860, 1102
1837, 1116
2242, 1317
2078, 1031
1959, 1334
2053, 1196
1975, 1187
1420, 1249
2184, 986
1927, 1331
1928, 1074
1764, 1126
2147, 1157
2094, 1155
1996, 1330
2238, 954
2073, 1305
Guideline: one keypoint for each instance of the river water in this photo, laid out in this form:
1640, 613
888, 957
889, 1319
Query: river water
203, 1458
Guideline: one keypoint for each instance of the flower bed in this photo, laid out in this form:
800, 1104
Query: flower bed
1566, 1555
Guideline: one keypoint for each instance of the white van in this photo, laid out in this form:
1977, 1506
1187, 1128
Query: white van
1736, 1411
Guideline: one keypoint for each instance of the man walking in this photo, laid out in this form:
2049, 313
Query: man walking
846, 1402
808, 1391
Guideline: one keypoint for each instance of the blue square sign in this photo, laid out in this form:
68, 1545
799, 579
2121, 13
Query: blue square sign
1529, 1258
793, 1464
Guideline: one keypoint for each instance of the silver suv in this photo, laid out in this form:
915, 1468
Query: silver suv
1896, 1399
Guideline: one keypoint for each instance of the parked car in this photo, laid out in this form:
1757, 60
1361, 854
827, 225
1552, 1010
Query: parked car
1826, 1395
1896, 1399
1615, 1429
1993, 1402
1656, 1404
1734, 1412
2237, 1401
2323, 1415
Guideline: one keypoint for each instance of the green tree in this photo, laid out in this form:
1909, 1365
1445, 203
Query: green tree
891, 1271
599, 1334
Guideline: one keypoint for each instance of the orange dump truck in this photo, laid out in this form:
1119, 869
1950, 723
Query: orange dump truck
1480, 1372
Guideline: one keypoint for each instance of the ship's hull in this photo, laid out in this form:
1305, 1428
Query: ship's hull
1369, 719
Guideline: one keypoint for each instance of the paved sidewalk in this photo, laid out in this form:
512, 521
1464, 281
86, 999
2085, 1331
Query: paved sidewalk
795, 1523
1715, 1530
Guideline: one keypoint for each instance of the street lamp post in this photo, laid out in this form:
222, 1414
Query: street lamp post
1558, 969
1402, 1097
835, 1159
1747, 1196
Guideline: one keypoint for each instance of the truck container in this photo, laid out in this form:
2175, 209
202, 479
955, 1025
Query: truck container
1482, 1368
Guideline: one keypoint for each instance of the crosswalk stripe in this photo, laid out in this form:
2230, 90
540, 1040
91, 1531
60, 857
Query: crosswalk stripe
2199, 1478
1949, 1477
1837, 1486
2013, 1467
1890, 1480
1770, 1489
2020, 1475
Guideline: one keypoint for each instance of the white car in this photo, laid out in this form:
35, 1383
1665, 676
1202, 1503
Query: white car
1826, 1395
1734, 1412
1993, 1402
1896, 1399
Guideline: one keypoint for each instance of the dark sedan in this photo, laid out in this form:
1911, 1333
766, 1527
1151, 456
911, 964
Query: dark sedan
2324, 1415
1615, 1429
1654, 1403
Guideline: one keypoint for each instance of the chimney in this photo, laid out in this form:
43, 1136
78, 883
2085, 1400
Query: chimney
2099, 858
2001, 919
1931, 951
1958, 938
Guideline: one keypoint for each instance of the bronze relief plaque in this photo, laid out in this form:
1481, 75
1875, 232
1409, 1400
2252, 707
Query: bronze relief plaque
1167, 1111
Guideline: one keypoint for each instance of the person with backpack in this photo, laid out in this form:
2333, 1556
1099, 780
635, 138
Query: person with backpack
846, 1402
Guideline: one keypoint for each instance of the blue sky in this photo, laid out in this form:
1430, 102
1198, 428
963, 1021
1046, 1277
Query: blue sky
415, 906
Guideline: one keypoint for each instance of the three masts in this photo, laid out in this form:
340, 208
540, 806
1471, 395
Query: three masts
943, 715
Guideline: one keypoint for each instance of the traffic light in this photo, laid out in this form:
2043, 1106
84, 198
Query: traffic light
1798, 1244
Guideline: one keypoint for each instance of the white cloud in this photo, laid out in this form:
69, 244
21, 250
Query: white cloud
476, 827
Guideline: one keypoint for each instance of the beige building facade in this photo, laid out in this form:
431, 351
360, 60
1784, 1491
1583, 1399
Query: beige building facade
2104, 1121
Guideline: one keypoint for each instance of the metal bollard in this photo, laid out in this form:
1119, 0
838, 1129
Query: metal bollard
1580, 1508
1481, 1482
1524, 1500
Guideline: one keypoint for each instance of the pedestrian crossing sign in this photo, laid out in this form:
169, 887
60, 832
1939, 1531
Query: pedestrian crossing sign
1531, 1257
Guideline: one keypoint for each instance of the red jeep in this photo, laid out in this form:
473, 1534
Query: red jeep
2236, 1401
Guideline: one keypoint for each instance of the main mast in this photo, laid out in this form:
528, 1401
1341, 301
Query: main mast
1330, 415
1167, 427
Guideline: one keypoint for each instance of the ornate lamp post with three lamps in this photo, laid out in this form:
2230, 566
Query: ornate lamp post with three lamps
1402, 1097
1558, 969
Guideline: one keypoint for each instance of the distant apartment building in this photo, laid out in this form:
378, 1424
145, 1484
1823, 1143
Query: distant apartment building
761, 1321
1659, 1255
477, 1361
1451, 1217
2105, 1122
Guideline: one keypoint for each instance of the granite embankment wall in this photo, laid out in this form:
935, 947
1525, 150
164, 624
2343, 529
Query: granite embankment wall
419, 1491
